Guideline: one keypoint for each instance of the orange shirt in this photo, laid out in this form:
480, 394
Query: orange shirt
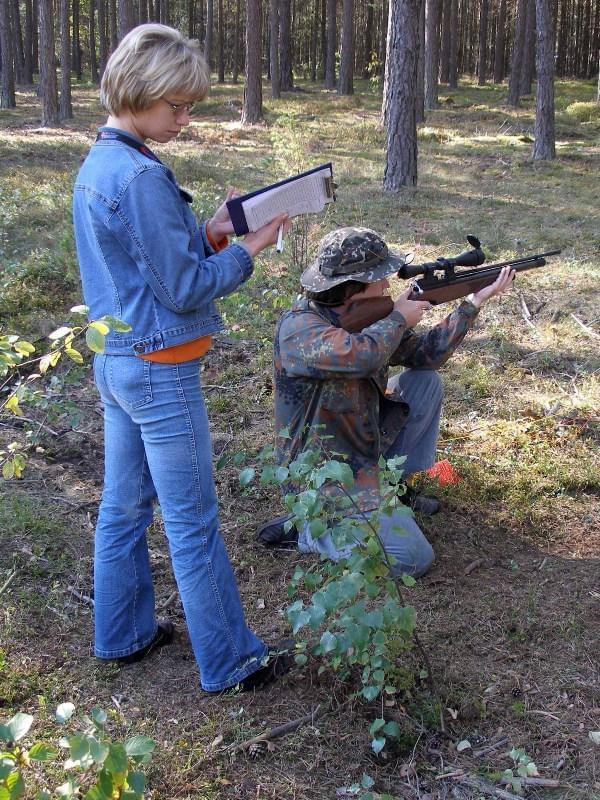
188, 350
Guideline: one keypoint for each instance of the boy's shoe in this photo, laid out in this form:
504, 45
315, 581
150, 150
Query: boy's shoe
280, 660
420, 502
273, 533
163, 636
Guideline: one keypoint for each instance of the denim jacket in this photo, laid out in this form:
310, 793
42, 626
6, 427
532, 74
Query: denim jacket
142, 255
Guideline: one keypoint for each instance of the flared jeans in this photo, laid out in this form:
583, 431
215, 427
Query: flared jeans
157, 446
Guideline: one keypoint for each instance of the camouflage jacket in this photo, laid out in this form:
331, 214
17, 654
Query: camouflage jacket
328, 382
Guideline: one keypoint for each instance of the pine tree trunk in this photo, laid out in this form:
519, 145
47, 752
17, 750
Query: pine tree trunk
76, 41
286, 75
236, 41
401, 81
528, 62
432, 52
544, 148
7, 78
514, 82
274, 48
346, 79
112, 24
48, 87
65, 106
252, 110
420, 101
221, 40
28, 43
208, 36
331, 44
500, 43
453, 62
314, 36
368, 48
102, 37
92, 33
483, 34
17, 38
445, 41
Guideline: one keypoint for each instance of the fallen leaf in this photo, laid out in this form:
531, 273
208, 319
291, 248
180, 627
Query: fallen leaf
594, 736
464, 745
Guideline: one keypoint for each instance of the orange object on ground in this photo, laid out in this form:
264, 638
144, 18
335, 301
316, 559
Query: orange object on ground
444, 472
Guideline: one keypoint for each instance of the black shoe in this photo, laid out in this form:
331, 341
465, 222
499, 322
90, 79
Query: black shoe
163, 636
420, 502
280, 660
273, 534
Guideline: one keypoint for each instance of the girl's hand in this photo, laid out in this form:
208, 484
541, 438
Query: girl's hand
220, 224
263, 237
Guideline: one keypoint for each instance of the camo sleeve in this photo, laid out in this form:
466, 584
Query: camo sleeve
433, 348
311, 347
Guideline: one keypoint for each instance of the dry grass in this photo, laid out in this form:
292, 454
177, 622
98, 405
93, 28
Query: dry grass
514, 640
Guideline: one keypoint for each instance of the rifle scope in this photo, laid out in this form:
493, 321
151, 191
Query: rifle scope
469, 258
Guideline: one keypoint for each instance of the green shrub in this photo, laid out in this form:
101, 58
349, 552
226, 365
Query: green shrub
584, 112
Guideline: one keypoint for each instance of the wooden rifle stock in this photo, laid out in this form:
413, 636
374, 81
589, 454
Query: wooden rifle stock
362, 313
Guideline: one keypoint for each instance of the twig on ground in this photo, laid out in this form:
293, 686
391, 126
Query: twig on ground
473, 565
550, 783
11, 576
490, 747
590, 331
168, 602
485, 787
525, 312
83, 598
543, 714
279, 730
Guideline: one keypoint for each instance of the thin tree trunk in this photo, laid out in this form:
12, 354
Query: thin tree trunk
221, 39
432, 52
236, 41
420, 94
401, 80
208, 36
17, 37
346, 80
500, 43
7, 78
514, 82
274, 48
76, 41
112, 24
286, 74
445, 41
48, 87
102, 37
28, 43
483, 33
331, 44
544, 148
314, 37
65, 106
252, 110
528, 63
453, 62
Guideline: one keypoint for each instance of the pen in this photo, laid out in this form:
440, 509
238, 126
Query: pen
279, 245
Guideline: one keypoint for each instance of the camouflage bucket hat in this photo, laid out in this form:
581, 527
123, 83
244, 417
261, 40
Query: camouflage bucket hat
350, 254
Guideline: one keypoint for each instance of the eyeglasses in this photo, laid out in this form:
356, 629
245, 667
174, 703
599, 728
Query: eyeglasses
180, 108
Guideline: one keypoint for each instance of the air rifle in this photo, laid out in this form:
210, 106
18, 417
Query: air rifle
440, 283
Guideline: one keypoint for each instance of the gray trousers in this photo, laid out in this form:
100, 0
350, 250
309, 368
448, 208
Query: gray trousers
402, 538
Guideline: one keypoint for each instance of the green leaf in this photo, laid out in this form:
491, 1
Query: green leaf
41, 751
366, 781
117, 759
282, 474
94, 340
336, 471
136, 781
15, 785
376, 725
101, 327
8, 470
79, 309
116, 324
79, 747
392, 728
4, 793
59, 333
18, 726
98, 750
300, 659
99, 716
74, 355
24, 347
64, 712
67, 789
139, 745
408, 580
328, 642
246, 476
378, 744
370, 692
42, 796
317, 528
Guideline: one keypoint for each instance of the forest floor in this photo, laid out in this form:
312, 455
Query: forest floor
510, 613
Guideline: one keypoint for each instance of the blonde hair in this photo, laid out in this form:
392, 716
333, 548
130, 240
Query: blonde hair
150, 62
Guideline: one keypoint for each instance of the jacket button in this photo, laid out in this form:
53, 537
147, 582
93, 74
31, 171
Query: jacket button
138, 348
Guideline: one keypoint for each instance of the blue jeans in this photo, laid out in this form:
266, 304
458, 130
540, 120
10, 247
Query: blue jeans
416, 438
157, 444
